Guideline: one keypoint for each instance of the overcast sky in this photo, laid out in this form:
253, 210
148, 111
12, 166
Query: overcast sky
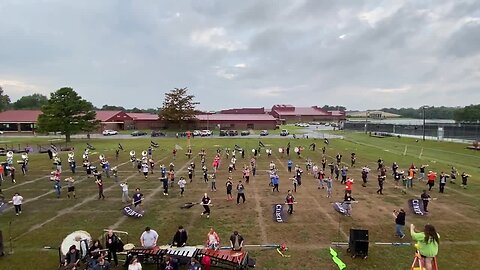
360, 54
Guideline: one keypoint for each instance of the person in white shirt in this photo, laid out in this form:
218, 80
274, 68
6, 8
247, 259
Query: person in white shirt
125, 197
145, 170
17, 203
181, 183
135, 264
149, 237
233, 161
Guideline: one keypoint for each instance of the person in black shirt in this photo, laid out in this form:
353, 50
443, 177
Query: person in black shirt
465, 179
338, 157
94, 252
137, 198
72, 258
180, 238
236, 241
102, 264
425, 198
229, 186
111, 243
399, 222
353, 158
206, 205
381, 179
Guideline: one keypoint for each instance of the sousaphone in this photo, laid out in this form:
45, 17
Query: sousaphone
132, 153
280, 150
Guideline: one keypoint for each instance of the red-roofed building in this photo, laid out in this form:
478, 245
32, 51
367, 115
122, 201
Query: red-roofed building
244, 111
19, 120
290, 114
144, 121
236, 121
114, 120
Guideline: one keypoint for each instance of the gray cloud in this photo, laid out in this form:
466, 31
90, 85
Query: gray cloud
361, 54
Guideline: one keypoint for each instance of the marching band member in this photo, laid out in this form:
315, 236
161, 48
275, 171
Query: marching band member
180, 238
213, 180
246, 174
236, 241
229, 186
213, 241
137, 198
453, 175
365, 171
206, 205
70, 186
12, 174
205, 174
465, 177
190, 173
290, 200
72, 164
115, 174
17, 203
171, 175
181, 183
145, 170
152, 165
164, 181
329, 185
149, 238
125, 197
347, 204
99, 183
240, 192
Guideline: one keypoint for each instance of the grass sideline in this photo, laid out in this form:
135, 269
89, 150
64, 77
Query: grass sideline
308, 233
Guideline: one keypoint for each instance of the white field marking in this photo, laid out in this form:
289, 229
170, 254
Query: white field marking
123, 218
25, 183
258, 209
52, 191
319, 206
66, 211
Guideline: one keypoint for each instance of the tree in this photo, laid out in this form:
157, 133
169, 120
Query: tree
468, 114
334, 108
4, 100
112, 108
68, 113
178, 106
31, 102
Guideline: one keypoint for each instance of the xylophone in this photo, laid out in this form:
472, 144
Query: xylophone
227, 259
147, 255
182, 254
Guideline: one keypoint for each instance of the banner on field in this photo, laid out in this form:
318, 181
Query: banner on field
416, 205
3, 205
338, 206
132, 212
279, 215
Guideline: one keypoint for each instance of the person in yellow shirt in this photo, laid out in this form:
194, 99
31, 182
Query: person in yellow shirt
427, 243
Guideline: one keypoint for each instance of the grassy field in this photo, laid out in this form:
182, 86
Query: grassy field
308, 233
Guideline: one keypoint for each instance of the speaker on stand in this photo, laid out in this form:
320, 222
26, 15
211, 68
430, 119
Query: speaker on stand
358, 243
2, 253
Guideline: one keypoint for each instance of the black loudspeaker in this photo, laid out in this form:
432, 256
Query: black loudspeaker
1, 244
358, 243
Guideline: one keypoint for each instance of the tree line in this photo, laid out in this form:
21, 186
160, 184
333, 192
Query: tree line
68, 113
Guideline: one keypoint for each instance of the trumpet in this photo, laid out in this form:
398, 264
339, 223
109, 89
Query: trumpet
85, 156
280, 150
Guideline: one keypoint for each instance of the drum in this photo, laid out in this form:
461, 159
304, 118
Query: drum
128, 247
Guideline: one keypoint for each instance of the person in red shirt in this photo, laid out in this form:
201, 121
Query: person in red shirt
431, 176
349, 186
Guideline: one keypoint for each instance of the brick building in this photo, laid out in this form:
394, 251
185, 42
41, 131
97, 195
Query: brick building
236, 121
291, 114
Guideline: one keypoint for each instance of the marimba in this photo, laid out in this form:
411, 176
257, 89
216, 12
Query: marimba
147, 255
227, 259
182, 254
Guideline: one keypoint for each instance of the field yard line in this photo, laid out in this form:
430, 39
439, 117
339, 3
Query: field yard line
52, 191
401, 154
258, 209
448, 188
319, 206
66, 211
150, 196
24, 183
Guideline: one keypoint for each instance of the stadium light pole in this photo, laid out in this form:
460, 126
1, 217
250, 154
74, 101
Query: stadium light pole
367, 114
424, 107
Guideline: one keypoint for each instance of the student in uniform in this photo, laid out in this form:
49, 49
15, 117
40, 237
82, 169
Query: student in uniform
240, 192
206, 205
290, 200
431, 179
465, 177
229, 186
181, 183
442, 182
425, 199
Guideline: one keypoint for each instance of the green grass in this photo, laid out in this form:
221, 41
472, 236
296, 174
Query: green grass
308, 233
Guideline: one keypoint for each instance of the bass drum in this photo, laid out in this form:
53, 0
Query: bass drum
81, 240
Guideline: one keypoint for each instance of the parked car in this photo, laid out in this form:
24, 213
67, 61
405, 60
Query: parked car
223, 133
264, 133
196, 133
245, 133
232, 133
137, 133
205, 133
108, 132
284, 132
156, 133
